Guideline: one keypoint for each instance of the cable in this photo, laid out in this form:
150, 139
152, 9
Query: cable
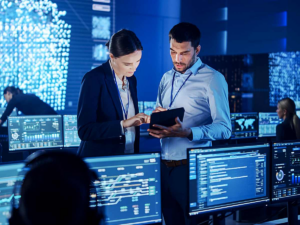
206, 221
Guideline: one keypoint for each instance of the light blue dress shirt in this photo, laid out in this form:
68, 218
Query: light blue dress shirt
205, 100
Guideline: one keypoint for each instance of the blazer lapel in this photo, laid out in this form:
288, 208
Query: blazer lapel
112, 89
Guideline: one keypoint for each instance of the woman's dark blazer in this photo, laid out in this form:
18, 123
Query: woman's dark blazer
100, 112
285, 131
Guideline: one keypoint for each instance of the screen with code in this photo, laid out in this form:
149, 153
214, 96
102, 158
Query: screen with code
226, 177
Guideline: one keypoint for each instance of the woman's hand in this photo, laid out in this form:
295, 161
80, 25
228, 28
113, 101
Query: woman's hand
136, 120
159, 109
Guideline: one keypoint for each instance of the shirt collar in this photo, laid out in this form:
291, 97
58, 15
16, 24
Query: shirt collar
193, 69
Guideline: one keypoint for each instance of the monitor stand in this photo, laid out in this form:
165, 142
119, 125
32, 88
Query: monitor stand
218, 221
292, 211
292, 219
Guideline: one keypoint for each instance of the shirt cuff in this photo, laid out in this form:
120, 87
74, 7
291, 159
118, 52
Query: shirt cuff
122, 128
197, 133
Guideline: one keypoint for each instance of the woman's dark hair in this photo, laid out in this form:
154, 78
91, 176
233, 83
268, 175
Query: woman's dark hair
124, 42
290, 107
185, 32
13, 90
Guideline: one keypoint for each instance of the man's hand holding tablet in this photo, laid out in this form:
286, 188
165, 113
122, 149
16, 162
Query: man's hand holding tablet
163, 130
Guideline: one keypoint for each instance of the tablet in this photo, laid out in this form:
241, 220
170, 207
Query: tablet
166, 118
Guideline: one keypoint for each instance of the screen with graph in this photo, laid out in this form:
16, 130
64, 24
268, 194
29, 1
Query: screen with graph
34, 132
267, 124
8, 177
130, 187
244, 125
285, 171
71, 138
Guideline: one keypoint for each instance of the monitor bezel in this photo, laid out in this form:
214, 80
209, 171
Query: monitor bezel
34, 149
132, 154
237, 206
252, 137
285, 199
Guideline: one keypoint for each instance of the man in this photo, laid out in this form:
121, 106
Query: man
203, 93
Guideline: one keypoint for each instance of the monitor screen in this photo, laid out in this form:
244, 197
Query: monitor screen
14, 113
267, 124
141, 106
71, 138
8, 177
34, 132
222, 178
149, 107
244, 125
130, 187
285, 171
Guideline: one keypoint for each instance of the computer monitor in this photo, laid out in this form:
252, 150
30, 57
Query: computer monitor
149, 107
130, 187
71, 138
35, 132
267, 124
8, 177
285, 171
14, 113
141, 106
244, 125
223, 178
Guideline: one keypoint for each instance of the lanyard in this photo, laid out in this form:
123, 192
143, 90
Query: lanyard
172, 99
127, 106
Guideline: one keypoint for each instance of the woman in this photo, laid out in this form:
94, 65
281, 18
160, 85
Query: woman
289, 129
28, 104
107, 117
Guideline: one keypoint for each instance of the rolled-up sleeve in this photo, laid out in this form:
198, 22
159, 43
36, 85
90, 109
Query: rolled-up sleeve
220, 128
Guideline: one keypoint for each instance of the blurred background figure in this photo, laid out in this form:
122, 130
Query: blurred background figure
289, 129
28, 104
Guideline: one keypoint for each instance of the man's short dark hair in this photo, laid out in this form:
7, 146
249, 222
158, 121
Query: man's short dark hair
183, 32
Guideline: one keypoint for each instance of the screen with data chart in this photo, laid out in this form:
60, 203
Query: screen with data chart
267, 124
71, 138
244, 125
14, 113
8, 177
35, 132
129, 187
222, 178
285, 171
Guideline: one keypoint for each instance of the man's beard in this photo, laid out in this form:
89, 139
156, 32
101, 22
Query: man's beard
190, 64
